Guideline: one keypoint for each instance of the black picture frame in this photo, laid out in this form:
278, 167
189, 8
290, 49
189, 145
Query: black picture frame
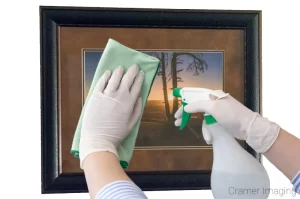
51, 17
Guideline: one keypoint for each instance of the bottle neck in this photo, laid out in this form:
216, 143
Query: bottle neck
209, 119
218, 133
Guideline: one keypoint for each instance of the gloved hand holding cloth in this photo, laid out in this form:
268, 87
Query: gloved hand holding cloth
113, 109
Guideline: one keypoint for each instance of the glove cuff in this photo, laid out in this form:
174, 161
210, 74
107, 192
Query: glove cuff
262, 133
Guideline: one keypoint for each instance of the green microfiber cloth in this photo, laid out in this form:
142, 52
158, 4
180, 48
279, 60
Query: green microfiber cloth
114, 55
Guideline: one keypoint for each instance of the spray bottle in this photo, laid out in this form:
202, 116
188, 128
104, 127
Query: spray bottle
235, 173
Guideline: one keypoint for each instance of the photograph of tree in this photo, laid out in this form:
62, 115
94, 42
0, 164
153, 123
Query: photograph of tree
178, 69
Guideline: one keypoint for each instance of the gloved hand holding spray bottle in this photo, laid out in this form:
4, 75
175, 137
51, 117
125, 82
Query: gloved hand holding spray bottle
235, 173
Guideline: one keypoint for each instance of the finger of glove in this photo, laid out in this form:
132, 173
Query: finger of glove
137, 85
178, 122
206, 134
136, 113
200, 106
115, 80
179, 113
102, 82
129, 77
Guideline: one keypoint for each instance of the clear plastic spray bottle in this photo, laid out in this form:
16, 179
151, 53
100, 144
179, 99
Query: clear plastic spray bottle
236, 174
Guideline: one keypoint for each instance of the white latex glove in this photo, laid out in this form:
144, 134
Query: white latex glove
237, 119
111, 112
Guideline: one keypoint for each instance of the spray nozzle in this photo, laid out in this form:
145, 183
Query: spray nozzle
189, 95
176, 92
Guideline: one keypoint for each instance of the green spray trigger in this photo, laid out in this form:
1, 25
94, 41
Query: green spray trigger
189, 95
185, 116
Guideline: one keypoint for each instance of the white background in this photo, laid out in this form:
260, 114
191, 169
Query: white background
20, 86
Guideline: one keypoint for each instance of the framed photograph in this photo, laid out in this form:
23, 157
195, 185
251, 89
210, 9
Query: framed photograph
215, 49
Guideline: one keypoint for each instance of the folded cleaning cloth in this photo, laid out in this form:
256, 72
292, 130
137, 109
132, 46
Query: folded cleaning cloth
114, 55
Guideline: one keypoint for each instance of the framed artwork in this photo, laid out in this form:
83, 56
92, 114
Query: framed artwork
199, 48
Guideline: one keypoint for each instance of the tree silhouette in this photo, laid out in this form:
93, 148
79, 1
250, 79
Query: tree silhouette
163, 58
197, 65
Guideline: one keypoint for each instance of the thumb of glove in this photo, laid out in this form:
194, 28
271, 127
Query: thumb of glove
206, 134
200, 106
205, 106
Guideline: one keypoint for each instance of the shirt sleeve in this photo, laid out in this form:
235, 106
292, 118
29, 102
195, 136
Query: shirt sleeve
296, 183
121, 190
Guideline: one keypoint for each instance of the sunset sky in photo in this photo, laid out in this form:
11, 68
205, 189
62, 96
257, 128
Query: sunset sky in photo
212, 77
